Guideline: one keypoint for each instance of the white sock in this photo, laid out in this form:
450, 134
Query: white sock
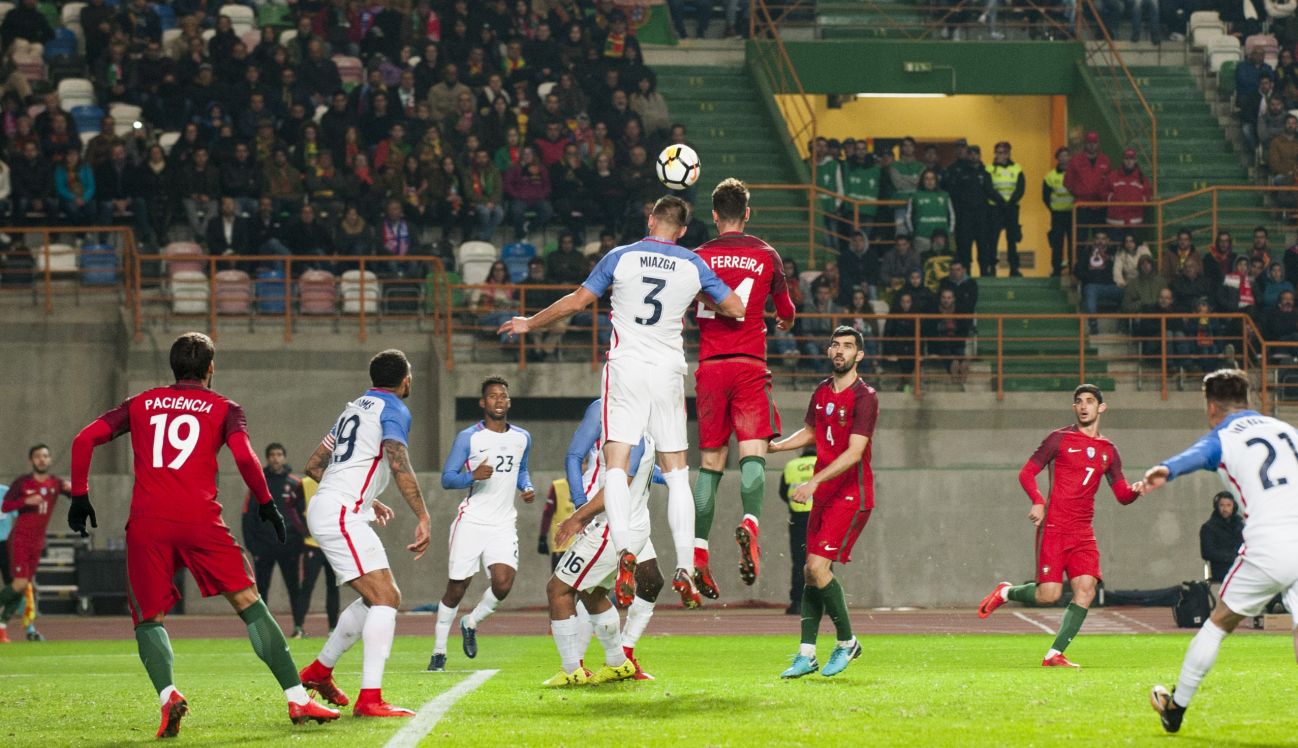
1005, 594
445, 617
701, 544
485, 607
807, 650
680, 516
165, 694
617, 505
566, 636
296, 695
380, 628
350, 623
848, 644
585, 630
1198, 661
606, 630
1051, 653
637, 618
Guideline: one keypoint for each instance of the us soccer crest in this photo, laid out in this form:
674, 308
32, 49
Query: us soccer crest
1090, 453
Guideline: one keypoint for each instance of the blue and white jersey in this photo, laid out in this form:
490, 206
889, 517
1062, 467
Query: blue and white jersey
354, 476
654, 282
6, 519
585, 447
1257, 459
490, 501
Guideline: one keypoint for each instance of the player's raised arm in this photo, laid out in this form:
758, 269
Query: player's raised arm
583, 441
102, 430
600, 278
1204, 454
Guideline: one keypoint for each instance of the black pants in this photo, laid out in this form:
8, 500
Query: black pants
4, 562
1061, 232
968, 226
289, 560
313, 562
1007, 220
797, 555
1090, 220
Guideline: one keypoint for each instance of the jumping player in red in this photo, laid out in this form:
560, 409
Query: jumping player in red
840, 422
33, 496
732, 383
1078, 457
175, 521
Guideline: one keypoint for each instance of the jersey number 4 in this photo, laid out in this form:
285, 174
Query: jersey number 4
744, 290
171, 434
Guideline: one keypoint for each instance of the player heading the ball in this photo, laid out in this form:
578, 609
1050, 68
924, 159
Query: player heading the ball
653, 282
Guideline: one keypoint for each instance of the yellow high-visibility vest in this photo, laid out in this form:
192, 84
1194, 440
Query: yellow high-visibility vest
1061, 199
563, 509
1005, 178
797, 472
309, 487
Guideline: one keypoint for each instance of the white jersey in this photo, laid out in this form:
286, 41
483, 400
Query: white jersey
1257, 459
490, 501
654, 282
354, 475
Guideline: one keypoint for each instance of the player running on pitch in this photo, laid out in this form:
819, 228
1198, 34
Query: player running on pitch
490, 459
175, 520
1257, 459
374, 428
32, 496
653, 282
1078, 457
588, 565
732, 383
840, 423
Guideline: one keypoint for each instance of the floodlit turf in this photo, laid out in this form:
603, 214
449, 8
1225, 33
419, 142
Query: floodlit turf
723, 690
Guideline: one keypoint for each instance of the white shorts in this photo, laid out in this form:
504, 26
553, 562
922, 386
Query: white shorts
349, 543
475, 546
591, 561
1248, 587
644, 399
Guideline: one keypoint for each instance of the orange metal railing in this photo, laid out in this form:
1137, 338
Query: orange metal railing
825, 226
48, 263
772, 62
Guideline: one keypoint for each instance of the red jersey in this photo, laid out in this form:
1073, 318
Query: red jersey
834, 417
1077, 462
32, 520
176, 433
754, 271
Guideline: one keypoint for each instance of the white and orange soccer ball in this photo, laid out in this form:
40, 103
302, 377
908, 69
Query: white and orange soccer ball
678, 167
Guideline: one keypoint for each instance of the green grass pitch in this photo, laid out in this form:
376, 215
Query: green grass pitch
918, 690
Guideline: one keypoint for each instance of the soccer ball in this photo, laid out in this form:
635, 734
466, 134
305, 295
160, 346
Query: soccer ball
678, 167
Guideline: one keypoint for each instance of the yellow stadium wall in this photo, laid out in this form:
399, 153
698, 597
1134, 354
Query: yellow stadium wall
1034, 125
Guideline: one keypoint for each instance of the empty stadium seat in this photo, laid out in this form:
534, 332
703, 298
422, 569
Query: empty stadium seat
167, 140
189, 293
62, 258
64, 44
233, 292
1203, 25
5, 7
75, 92
590, 248
516, 256
317, 293
270, 291
544, 89
273, 14
124, 117
169, 36
475, 272
166, 16
71, 13
1222, 49
183, 257
241, 17
475, 250
98, 265
351, 292
87, 118
287, 36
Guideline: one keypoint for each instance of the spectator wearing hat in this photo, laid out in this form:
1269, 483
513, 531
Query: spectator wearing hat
1128, 185
1008, 187
1087, 179
1059, 201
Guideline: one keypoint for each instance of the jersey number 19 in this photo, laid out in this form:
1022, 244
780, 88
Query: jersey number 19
171, 434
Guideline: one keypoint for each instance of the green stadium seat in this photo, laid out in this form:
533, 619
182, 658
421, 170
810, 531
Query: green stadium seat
273, 14
1226, 79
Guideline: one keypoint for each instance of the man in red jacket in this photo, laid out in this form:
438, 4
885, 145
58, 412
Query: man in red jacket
1087, 178
1128, 185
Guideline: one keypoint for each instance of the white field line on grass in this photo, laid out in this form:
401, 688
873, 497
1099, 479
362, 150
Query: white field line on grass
1036, 623
1133, 621
432, 712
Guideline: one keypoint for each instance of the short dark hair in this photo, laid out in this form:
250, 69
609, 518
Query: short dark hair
843, 331
1226, 387
1083, 389
730, 199
31, 451
191, 355
673, 210
274, 446
492, 381
388, 368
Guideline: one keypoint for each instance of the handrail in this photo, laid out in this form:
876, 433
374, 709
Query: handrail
816, 223
779, 71
43, 286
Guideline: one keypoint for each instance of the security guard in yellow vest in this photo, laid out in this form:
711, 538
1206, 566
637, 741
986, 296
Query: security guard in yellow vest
558, 507
797, 472
1008, 187
1060, 202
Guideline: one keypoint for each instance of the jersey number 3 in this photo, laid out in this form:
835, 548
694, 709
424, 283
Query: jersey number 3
656, 286
171, 434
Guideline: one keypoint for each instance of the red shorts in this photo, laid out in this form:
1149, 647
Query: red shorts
834, 526
24, 556
1059, 553
734, 396
157, 548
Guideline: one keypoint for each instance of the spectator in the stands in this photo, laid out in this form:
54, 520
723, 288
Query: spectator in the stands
898, 264
829, 178
241, 180
1219, 259
570, 182
97, 27
74, 183
948, 335
1221, 537
227, 232
566, 265
969, 185
1141, 291
1008, 188
859, 267
1190, 285
353, 235
860, 314
1261, 247
1286, 70
1237, 292
899, 337
396, 237
963, 286
1249, 74
483, 190
1126, 262
1205, 338
267, 229
282, 182
306, 235
1173, 259
550, 146
1127, 184
120, 192
1275, 285
1271, 123
443, 95
1087, 178
651, 106
528, 188
815, 328
25, 22
495, 302
1094, 272
929, 209
1253, 105
1148, 11
904, 175
1153, 331
1280, 322
102, 143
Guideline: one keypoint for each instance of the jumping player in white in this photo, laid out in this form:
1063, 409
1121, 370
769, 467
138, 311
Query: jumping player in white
490, 459
588, 566
1257, 459
653, 282
372, 428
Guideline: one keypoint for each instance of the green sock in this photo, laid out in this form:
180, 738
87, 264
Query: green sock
11, 608
812, 609
8, 596
752, 484
269, 644
155, 652
836, 607
1074, 616
705, 501
1024, 593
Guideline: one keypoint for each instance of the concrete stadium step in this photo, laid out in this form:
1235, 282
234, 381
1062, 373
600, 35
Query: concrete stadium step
1053, 384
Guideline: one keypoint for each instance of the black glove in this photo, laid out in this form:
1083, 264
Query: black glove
542, 546
268, 512
80, 510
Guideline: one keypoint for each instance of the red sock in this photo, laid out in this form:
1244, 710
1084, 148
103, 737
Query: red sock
318, 669
370, 695
700, 556
629, 652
